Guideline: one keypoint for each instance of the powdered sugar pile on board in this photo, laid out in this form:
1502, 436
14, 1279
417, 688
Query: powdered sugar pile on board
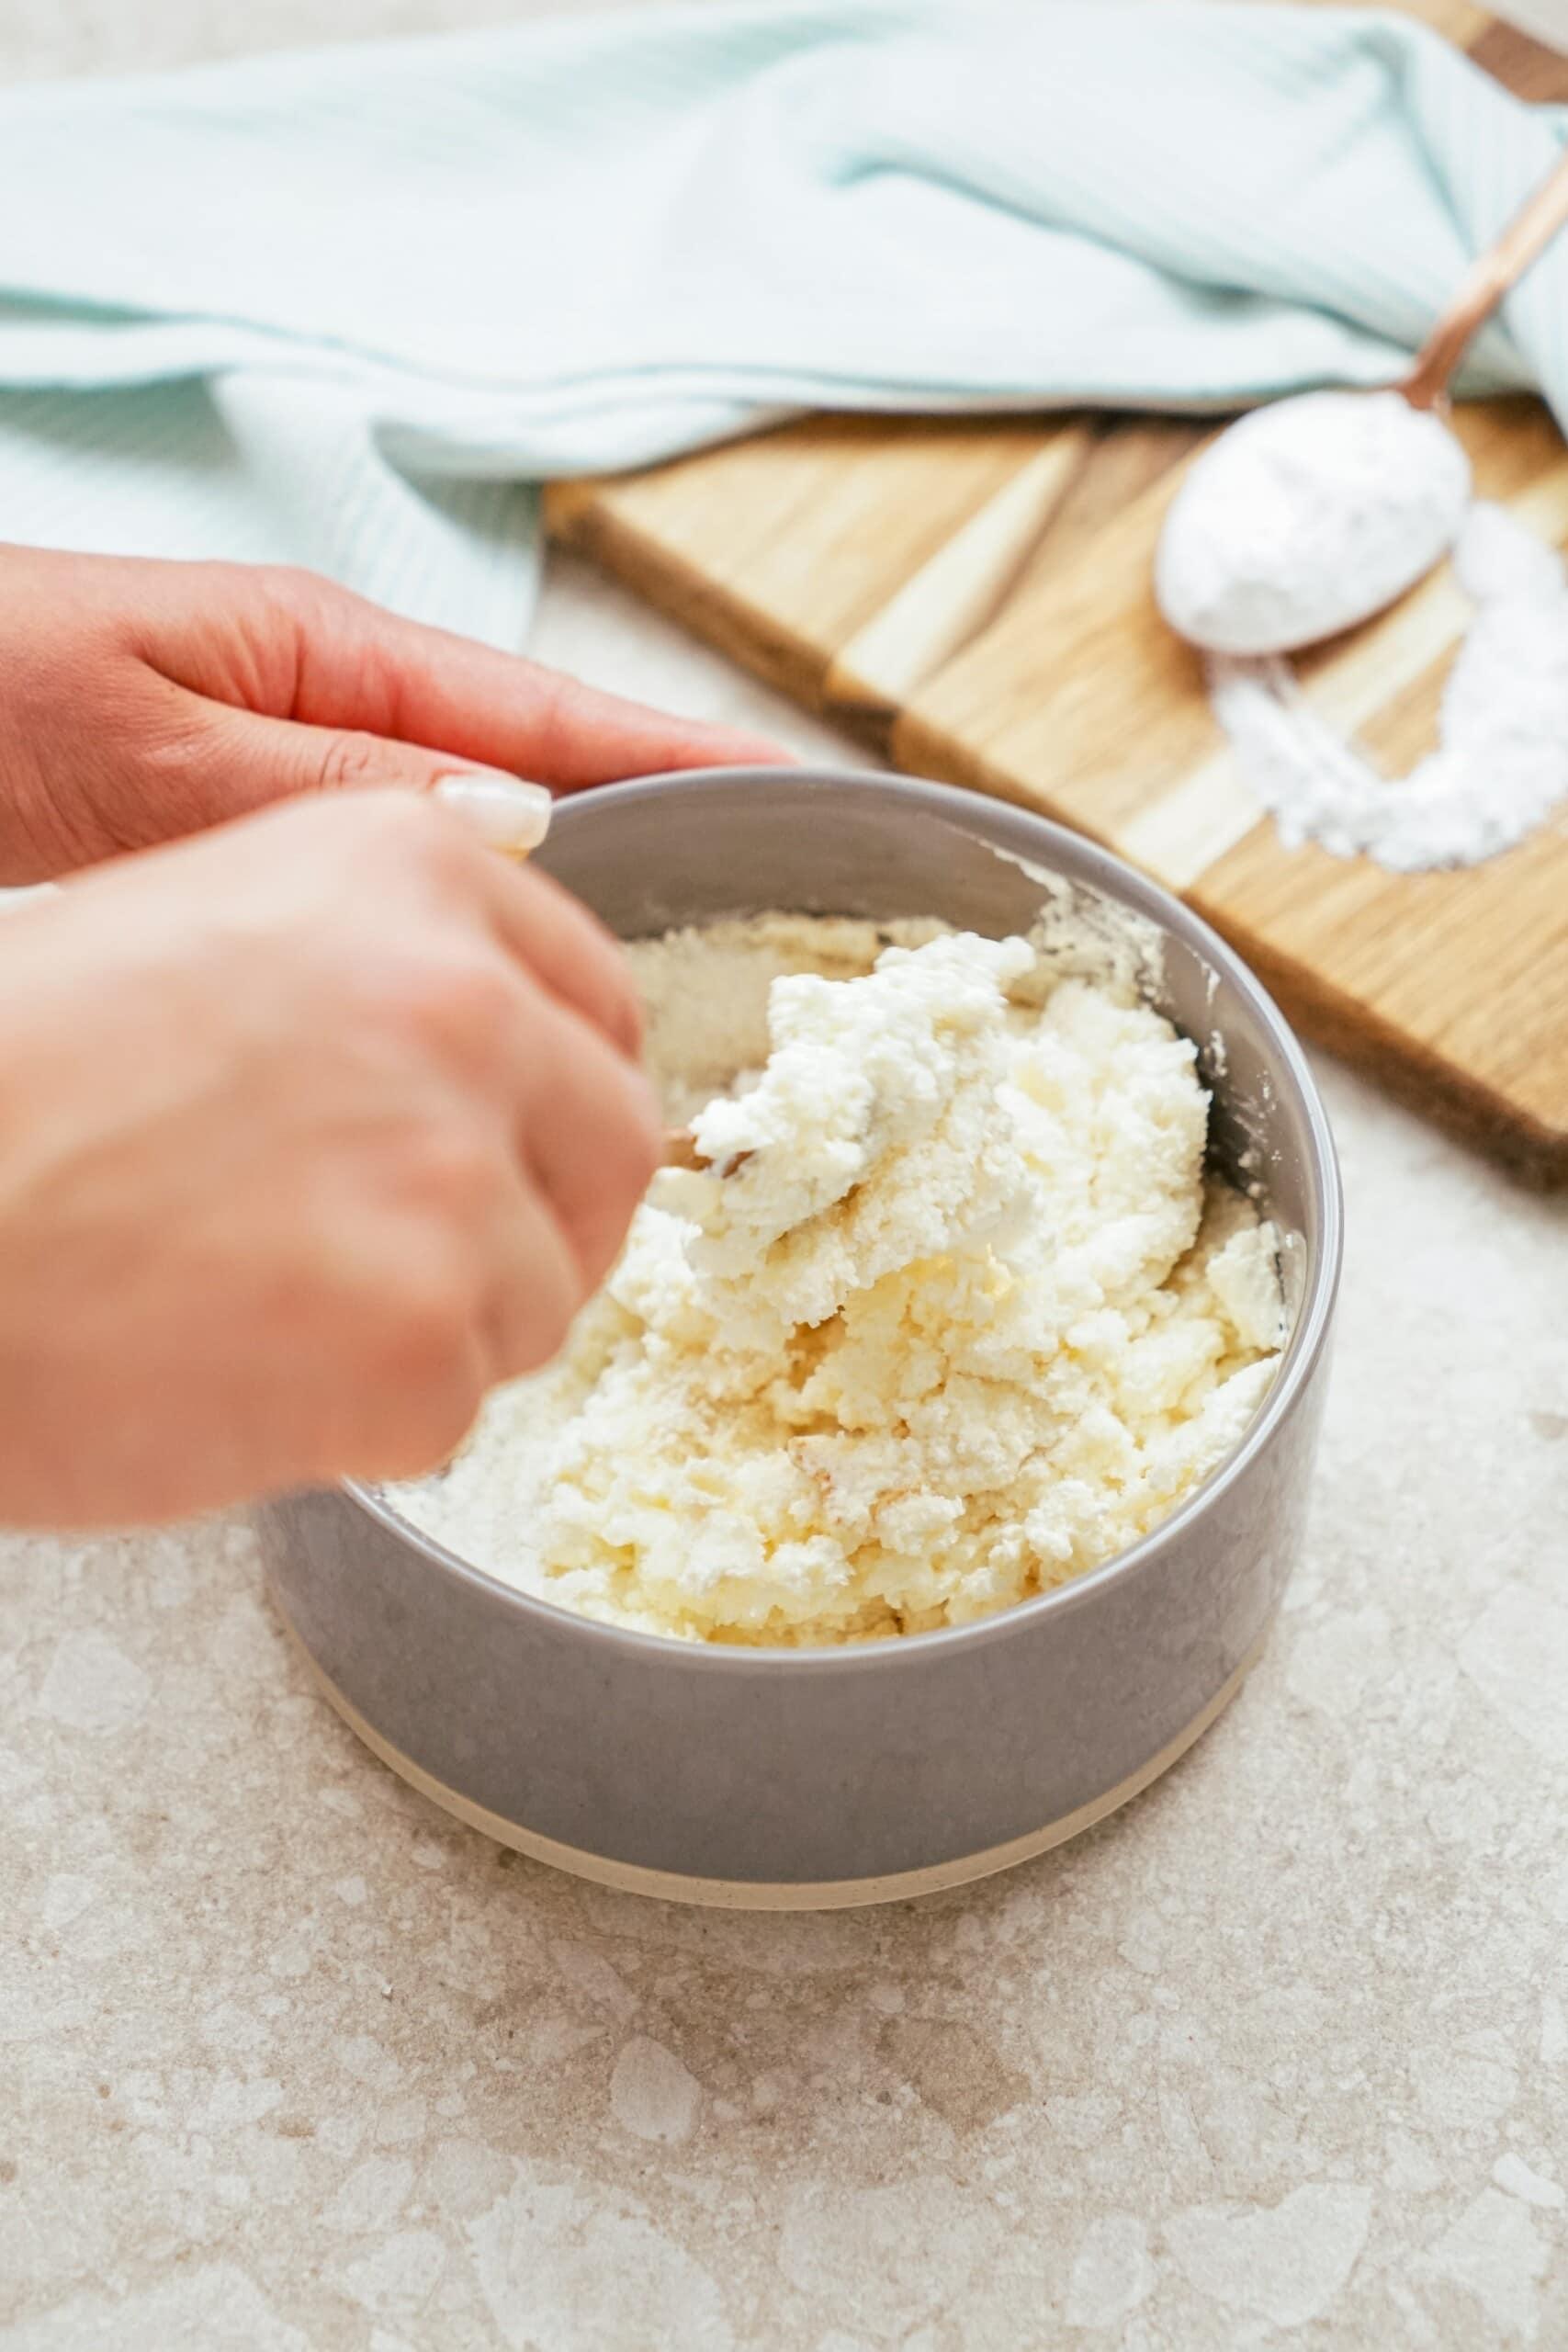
1501, 762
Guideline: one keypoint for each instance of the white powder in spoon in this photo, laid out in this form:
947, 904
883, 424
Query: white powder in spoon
1501, 762
1305, 517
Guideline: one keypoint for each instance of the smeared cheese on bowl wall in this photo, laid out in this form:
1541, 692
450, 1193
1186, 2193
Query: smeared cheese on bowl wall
966, 1321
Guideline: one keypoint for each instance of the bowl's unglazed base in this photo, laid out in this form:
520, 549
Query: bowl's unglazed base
757, 1895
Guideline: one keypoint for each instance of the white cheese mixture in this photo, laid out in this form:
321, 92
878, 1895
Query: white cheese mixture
966, 1321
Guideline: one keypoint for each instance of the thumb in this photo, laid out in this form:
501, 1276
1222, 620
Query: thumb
265, 760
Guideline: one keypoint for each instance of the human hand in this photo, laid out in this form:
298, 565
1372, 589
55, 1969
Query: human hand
141, 701
310, 1130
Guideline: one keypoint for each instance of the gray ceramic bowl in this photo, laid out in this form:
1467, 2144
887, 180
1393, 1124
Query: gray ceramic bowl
800, 1779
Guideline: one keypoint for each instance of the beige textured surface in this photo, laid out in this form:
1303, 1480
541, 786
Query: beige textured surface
1278, 2057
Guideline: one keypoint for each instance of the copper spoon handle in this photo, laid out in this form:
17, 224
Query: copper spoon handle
1489, 279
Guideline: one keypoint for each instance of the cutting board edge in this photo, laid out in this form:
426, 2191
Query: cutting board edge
1507, 1132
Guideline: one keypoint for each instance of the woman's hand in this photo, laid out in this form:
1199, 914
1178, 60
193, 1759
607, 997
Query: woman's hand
310, 1130
142, 701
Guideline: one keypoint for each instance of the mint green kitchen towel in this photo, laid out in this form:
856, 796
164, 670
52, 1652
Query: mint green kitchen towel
348, 308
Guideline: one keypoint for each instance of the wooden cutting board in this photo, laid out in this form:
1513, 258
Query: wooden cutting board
973, 598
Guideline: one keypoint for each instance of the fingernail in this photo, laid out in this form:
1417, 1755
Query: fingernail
507, 811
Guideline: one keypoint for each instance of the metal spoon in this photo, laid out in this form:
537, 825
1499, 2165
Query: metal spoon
1330, 446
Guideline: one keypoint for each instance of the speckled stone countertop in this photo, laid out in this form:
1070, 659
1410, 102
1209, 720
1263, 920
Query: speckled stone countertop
289, 2063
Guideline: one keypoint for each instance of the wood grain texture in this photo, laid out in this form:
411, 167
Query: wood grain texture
973, 598
779, 548
953, 595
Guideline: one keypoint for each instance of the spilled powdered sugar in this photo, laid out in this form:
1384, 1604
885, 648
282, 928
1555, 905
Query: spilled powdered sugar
1501, 762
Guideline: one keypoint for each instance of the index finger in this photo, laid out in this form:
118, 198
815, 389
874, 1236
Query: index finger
333, 659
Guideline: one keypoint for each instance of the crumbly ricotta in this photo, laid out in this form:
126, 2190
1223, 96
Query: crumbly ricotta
965, 1319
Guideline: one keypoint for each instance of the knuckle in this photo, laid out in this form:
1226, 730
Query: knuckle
444, 1424
611, 990
295, 580
625, 1008
398, 821
409, 1376
405, 830
534, 1322
353, 764
222, 577
293, 585
477, 994
601, 1207
648, 1125
164, 782
455, 1003
419, 1436
552, 1321
457, 1176
637, 1158
424, 1339
639, 1133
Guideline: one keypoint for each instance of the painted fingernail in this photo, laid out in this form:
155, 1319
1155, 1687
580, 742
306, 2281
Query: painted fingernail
507, 811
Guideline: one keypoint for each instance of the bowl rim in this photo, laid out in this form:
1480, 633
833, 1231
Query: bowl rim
1038, 842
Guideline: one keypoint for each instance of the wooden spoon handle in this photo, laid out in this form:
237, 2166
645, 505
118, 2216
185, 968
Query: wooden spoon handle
680, 1151
1502, 265
680, 1148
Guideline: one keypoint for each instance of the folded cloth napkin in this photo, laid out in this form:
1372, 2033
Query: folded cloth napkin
347, 307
